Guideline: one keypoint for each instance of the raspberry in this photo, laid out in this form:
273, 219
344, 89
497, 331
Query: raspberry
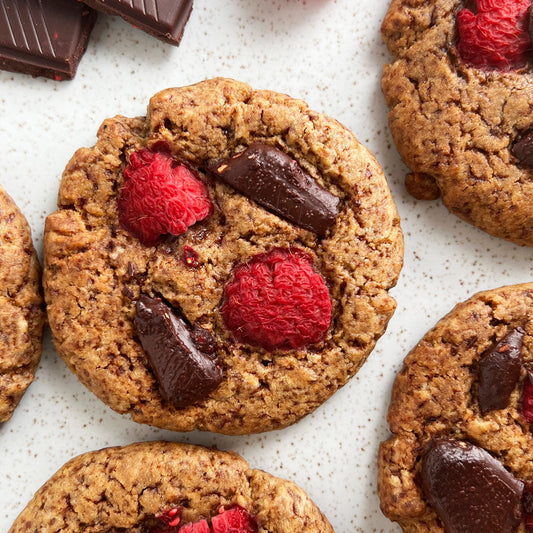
171, 517
159, 196
277, 301
234, 520
496, 37
195, 527
527, 397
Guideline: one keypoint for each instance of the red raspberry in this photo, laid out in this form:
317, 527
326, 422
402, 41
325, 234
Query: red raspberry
527, 397
277, 301
195, 527
234, 520
160, 195
497, 36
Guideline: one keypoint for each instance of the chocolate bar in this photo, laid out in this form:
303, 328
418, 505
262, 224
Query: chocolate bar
44, 37
164, 19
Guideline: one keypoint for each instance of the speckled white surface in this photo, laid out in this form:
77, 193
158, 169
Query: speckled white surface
329, 53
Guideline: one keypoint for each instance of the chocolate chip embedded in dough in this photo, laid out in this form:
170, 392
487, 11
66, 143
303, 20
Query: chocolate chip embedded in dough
184, 373
276, 181
469, 489
522, 149
499, 372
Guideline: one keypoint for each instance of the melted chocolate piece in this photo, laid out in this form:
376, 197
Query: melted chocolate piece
499, 372
185, 374
274, 180
163, 19
469, 489
44, 37
522, 149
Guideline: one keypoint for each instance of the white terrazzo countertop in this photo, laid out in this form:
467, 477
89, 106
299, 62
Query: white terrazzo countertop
329, 53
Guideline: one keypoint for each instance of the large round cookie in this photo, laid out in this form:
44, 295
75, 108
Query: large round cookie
457, 125
140, 487
96, 272
21, 313
461, 414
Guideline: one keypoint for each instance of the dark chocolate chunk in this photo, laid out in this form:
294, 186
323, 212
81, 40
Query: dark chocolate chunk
203, 339
274, 180
469, 489
522, 149
44, 37
499, 372
185, 374
163, 19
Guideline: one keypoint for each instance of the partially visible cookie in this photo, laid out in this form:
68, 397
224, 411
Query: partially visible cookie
461, 455
21, 312
460, 93
222, 263
167, 487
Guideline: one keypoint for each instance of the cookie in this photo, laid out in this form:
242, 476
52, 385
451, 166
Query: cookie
461, 454
223, 263
460, 94
21, 307
167, 487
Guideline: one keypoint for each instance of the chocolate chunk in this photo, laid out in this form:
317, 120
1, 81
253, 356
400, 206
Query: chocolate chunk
499, 372
44, 37
469, 489
163, 19
185, 374
522, 149
273, 179
203, 339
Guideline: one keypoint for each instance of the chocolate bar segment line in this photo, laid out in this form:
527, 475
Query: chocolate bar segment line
44, 37
164, 19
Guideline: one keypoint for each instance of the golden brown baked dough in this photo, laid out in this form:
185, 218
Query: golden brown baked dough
21, 307
94, 270
454, 124
436, 395
123, 488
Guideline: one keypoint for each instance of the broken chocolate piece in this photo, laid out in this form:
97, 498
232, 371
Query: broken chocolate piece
522, 149
44, 37
163, 19
469, 489
499, 372
185, 374
203, 339
276, 181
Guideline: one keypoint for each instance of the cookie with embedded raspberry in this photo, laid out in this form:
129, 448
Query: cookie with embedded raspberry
460, 93
222, 263
156, 487
21, 307
461, 454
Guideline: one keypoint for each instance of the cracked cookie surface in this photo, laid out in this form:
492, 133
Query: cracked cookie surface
95, 271
21, 313
124, 488
455, 125
437, 395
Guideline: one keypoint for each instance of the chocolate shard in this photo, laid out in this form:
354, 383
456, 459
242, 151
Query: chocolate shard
469, 489
499, 372
522, 149
274, 180
44, 37
184, 373
163, 19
